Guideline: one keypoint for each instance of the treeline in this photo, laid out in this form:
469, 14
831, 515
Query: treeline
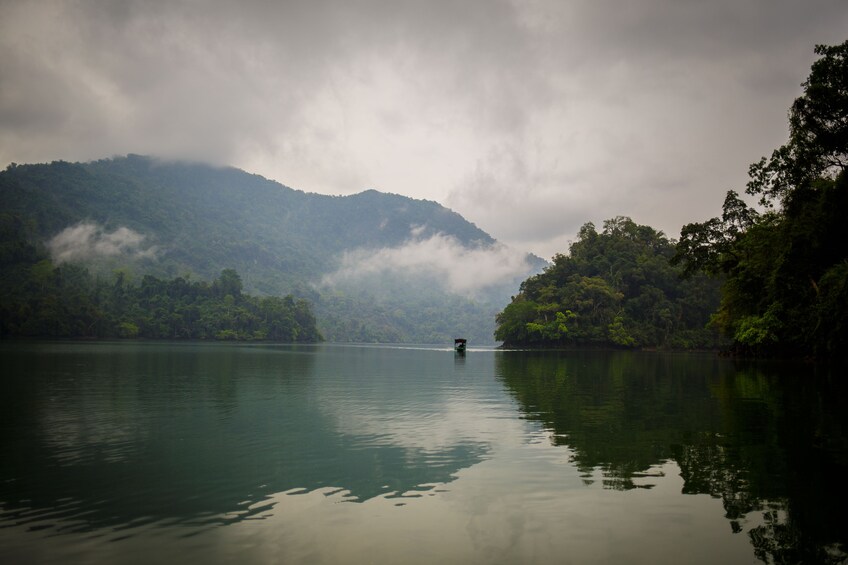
614, 288
786, 266
41, 299
779, 283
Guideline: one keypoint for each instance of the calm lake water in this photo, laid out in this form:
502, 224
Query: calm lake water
211, 453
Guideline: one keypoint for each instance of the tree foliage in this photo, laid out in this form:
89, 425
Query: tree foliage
818, 132
614, 288
785, 269
41, 299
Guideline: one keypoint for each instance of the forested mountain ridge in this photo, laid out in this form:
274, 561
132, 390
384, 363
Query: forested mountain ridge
205, 218
145, 216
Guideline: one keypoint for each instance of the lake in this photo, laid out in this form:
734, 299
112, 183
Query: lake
136, 452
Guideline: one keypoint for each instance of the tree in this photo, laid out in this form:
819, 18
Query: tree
818, 132
513, 321
229, 283
783, 269
711, 246
615, 288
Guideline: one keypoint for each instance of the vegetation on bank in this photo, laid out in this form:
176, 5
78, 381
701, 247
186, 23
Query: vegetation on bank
779, 282
786, 266
615, 288
41, 299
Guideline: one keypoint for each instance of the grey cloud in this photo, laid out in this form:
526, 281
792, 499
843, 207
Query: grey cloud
529, 117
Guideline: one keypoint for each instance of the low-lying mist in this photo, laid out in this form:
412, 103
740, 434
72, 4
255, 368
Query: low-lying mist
440, 260
427, 290
87, 241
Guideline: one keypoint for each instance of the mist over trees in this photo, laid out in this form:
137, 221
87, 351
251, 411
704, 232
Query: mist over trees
169, 219
43, 299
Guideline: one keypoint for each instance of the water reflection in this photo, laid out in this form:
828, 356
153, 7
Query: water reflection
767, 438
126, 435
491, 457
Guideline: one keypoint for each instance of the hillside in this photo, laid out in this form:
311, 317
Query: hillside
170, 219
615, 288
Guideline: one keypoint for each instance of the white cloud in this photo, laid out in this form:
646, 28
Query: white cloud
440, 258
87, 241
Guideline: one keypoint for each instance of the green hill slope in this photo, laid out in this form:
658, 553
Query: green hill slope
171, 219
615, 288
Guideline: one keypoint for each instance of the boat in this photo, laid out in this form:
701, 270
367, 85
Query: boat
459, 344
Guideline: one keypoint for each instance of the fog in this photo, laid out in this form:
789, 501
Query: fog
440, 259
88, 241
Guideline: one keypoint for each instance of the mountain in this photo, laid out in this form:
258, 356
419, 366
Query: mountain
377, 266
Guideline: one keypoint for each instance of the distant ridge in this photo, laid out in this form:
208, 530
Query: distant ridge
197, 219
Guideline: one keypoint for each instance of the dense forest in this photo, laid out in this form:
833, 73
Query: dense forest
779, 271
614, 288
172, 219
42, 299
786, 265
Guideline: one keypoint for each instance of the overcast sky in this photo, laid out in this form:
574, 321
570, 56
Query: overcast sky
528, 117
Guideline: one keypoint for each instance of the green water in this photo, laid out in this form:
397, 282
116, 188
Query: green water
210, 453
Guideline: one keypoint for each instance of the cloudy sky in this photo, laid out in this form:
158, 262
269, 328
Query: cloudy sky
528, 117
